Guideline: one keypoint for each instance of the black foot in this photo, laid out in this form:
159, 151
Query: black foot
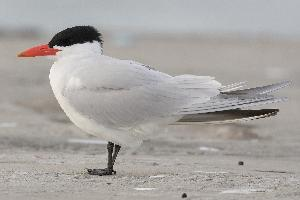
101, 172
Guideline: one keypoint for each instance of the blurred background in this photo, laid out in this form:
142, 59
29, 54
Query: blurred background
251, 40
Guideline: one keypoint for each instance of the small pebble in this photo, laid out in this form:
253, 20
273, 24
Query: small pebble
184, 195
241, 162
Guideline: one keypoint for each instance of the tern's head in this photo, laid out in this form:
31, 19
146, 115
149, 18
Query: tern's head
75, 39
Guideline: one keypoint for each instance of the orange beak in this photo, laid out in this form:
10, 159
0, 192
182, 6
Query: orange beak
40, 50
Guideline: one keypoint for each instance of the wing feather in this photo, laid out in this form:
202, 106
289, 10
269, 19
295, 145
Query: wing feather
119, 93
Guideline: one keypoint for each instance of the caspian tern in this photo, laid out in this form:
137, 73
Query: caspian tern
125, 102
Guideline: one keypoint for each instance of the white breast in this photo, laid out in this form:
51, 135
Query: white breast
59, 77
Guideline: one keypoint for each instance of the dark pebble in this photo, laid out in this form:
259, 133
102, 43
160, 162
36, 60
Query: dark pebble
184, 195
241, 162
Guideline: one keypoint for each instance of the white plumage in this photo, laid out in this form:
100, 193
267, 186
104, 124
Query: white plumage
124, 101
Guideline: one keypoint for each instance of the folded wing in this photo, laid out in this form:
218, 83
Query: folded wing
125, 94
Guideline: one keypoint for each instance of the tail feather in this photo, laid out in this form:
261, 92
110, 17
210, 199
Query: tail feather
227, 116
259, 90
230, 98
229, 104
232, 87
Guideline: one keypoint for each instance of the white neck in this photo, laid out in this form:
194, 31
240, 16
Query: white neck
87, 48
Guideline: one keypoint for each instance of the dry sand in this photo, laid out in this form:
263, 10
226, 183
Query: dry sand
39, 161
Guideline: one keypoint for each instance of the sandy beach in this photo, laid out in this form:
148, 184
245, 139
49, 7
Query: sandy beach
44, 156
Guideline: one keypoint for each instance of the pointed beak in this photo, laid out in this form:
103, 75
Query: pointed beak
40, 50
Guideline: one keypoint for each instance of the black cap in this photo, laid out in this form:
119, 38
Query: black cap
76, 35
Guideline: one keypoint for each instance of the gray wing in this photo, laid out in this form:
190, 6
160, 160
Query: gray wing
123, 94
227, 116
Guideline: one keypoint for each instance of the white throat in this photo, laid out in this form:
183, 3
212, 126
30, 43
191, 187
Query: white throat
79, 49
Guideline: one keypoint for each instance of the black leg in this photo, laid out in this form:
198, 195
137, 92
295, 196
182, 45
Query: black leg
112, 155
117, 149
110, 149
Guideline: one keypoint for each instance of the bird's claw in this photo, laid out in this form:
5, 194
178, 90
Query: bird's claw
101, 172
